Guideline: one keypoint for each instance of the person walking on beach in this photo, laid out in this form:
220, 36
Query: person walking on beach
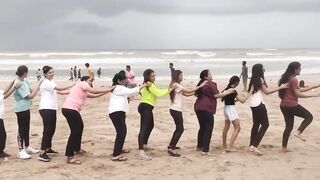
48, 111
23, 103
231, 114
75, 73
289, 103
258, 88
71, 111
176, 108
38, 74
79, 74
4, 94
205, 108
99, 72
90, 73
118, 109
132, 82
149, 97
71, 74
244, 75
171, 68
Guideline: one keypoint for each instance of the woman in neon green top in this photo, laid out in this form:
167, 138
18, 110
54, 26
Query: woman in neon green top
149, 97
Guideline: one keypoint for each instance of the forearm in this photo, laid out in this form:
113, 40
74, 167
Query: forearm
8, 88
9, 92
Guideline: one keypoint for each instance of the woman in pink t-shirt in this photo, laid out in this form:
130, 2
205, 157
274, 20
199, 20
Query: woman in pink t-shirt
176, 108
71, 111
289, 103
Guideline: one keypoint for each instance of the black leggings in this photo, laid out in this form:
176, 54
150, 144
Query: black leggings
118, 119
146, 123
23, 119
260, 124
3, 136
49, 119
288, 114
206, 122
76, 127
178, 120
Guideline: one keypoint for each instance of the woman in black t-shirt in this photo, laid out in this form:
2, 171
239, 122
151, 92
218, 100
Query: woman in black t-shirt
231, 114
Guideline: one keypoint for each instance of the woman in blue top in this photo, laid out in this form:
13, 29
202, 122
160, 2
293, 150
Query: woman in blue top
23, 96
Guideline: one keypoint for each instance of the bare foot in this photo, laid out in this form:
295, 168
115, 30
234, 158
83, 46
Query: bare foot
230, 149
285, 150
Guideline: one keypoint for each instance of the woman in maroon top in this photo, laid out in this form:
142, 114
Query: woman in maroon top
289, 103
205, 107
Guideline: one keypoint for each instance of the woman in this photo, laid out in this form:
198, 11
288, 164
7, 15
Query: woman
149, 97
118, 108
48, 111
176, 108
258, 88
231, 114
4, 94
289, 103
71, 111
205, 108
23, 97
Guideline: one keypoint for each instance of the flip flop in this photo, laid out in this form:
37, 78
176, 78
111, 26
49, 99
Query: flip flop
119, 158
74, 161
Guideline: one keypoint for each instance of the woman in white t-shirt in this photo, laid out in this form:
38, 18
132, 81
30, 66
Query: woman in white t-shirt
176, 108
118, 107
48, 110
258, 88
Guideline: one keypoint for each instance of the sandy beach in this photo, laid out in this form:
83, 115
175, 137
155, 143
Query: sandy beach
99, 134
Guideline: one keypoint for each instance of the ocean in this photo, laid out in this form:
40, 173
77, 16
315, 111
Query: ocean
222, 62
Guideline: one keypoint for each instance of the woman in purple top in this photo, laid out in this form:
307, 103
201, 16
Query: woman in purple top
289, 103
205, 108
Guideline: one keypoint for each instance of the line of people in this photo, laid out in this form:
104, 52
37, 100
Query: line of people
206, 93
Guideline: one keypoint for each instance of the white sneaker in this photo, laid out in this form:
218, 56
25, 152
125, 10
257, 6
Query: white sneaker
23, 155
31, 150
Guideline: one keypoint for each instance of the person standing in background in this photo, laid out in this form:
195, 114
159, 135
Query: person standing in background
99, 72
79, 74
90, 73
71, 74
244, 75
75, 73
171, 68
131, 77
38, 74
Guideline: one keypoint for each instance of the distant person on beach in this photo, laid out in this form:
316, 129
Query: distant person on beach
38, 74
171, 68
149, 96
244, 75
71, 74
99, 72
132, 82
75, 73
231, 114
23, 103
4, 94
48, 111
90, 73
71, 111
205, 108
118, 109
79, 74
176, 108
258, 89
289, 103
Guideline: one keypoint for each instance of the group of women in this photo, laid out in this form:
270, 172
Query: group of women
206, 93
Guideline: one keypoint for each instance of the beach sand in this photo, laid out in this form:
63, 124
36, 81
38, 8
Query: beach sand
99, 134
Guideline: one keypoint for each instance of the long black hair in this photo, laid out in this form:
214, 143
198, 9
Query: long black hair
85, 78
146, 76
174, 79
232, 80
118, 77
257, 75
46, 69
203, 75
290, 71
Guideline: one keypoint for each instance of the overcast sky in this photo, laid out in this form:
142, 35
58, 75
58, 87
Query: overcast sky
158, 24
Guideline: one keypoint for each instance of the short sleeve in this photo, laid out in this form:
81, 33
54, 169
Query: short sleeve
294, 84
178, 88
48, 85
84, 86
24, 90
